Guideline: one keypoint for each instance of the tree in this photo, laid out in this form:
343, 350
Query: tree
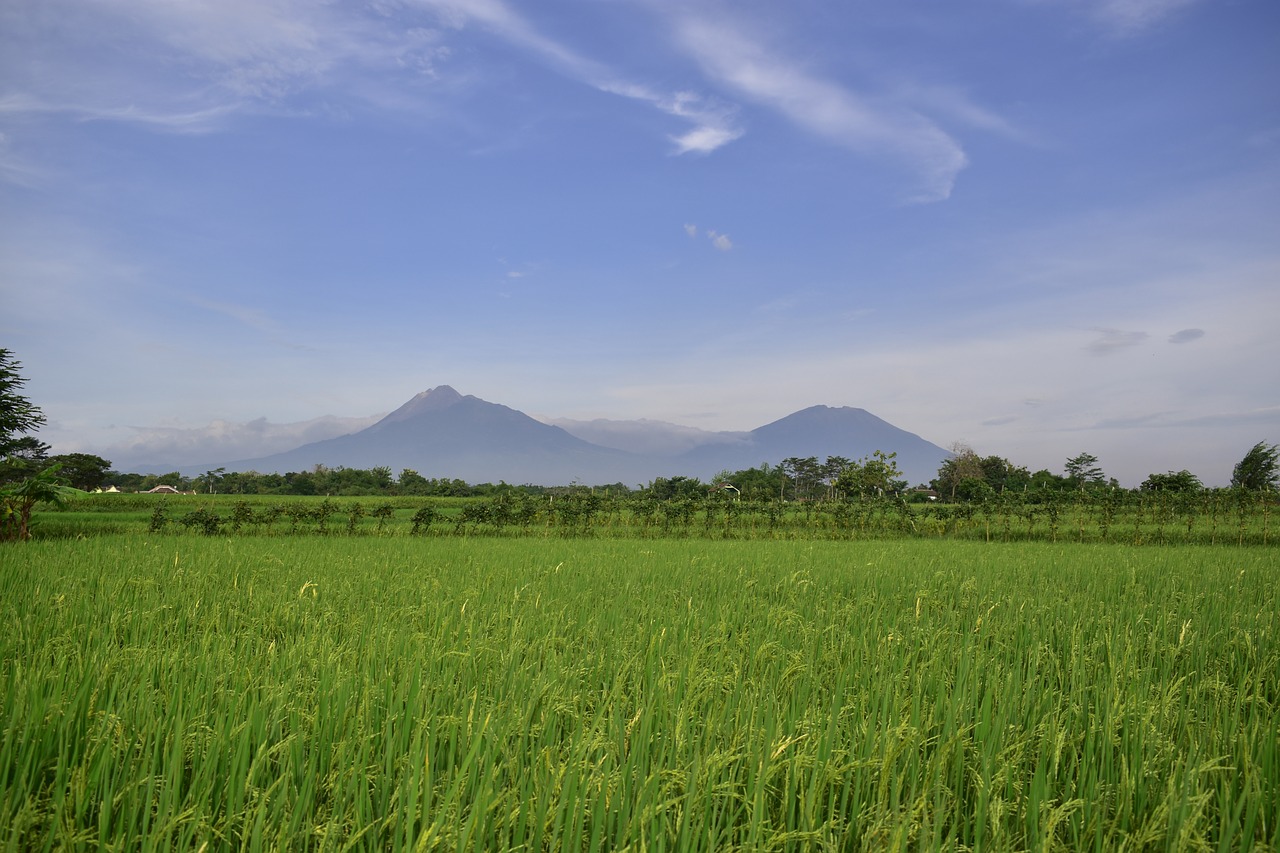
675, 488
17, 415
964, 464
1001, 474
1174, 481
876, 475
211, 478
1259, 470
1083, 470
27, 455
17, 502
831, 471
805, 474
82, 470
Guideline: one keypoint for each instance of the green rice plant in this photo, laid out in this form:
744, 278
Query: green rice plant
561, 694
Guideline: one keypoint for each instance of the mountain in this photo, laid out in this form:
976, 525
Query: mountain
645, 437
440, 433
443, 434
820, 431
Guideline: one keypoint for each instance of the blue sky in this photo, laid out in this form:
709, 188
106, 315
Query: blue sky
1040, 227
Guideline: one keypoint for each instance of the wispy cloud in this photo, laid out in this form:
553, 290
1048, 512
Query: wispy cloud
155, 115
713, 123
1114, 340
223, 441
189, 66
1121, 18
1269, 415
873, 126
720, 241
1127, 17
1186, 336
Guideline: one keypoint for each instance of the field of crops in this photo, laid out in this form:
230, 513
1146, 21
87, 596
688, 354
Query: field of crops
281, 691
1210, 517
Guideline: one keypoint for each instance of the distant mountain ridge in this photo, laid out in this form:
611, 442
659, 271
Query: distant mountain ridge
444, 434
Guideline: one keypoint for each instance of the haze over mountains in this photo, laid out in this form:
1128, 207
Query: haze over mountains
443, 434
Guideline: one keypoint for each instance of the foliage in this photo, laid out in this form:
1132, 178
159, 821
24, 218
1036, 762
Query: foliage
18, 416
83, 471
874, 475
959, 476
1139, 517
18, 501
1173, 481
1083, 470
1259, 470
673, 488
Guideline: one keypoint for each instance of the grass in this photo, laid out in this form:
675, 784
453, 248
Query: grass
339, 693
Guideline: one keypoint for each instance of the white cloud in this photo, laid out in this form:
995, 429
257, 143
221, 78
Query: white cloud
1121, 17
189, 66
870, 126
691, 230
1113, 340
1127, 17
713, 123
222, 441
720, 241
1186, 336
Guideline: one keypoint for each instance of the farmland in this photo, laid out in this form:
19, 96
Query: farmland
486, 686
1209, 517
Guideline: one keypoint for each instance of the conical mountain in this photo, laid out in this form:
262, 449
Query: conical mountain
821, 431
443, 434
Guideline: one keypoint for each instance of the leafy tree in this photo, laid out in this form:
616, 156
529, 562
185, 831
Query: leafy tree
211, 478
759, 483
381, 478
831, 471
1001, 474
1044, 479
805, 474
673, 488
1083, 471
17, 414
876, 475
82, 470
974, 489
26, 457
17, 502
1259, 470
1173, 481
964, 464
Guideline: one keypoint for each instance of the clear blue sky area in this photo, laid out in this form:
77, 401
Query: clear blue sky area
1042, 227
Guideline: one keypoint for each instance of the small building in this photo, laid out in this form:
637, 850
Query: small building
162, 489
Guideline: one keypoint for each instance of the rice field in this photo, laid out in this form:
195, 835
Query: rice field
483, 693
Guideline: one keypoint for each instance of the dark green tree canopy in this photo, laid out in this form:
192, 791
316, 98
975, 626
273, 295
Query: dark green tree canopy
1174, 481
1083, 470
964, 475
1259, 470
17, 415
82, 470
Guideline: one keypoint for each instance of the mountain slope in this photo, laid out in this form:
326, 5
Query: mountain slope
821, 431
443, 434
